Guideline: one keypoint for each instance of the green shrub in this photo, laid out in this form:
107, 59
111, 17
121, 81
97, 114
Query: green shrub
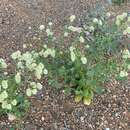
118, 2
91, 60
80, 61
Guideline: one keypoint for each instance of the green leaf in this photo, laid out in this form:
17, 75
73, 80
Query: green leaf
99, 90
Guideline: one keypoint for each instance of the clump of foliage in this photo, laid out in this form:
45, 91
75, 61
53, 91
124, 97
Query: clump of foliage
90, 60
80, 61
119, 2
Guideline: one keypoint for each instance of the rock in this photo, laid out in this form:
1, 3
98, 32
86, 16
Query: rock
67, 107
11, 117
30, 127
107, 129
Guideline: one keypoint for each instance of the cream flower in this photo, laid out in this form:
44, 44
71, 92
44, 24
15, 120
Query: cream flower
3, 63
108, 14
18, 78
81, 39
34, 91
72, 48
100, 22
66, 34
4, 84
42, 27
49, 32
45, 71
73, 57
14, 102
84, 60
50, 23
75, 29
72, 18
95, 20
16, 55
124, 15
128, 19
91, 28
29, 92
123, 74
39, 86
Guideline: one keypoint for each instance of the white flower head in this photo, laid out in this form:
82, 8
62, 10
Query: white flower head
128, 30
52, 53
42, 27
5, 105
72, 18
73, 57
81, 39
95, 20
18, 78
108, 14
39, 86
34, 91
100, 22
3, 63
3, 96
5, 73
5, 84
84, 60
126, 54
124, 32
16, 55
123, 74
49, 32
28, 92
124, 15
118, 23
14, 102
91, 28
39, 70
128, 67
24, 46
75, 29
50, 23
128, 19
66, 34
87, 46
45, 71
72, 48
45, 46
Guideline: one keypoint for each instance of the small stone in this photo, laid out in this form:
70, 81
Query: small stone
1, 20
116, 114
107, 128
29, 28
82, 119
24, 46
11, 117
43, 118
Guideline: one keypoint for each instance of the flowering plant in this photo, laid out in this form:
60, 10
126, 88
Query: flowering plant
85, 64
80, 61
118, 2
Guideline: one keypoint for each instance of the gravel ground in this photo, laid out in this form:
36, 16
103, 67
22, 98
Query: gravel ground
52, 110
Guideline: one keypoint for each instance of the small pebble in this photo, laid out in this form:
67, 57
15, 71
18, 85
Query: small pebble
82, 119
107, 128
43, 118
29, 28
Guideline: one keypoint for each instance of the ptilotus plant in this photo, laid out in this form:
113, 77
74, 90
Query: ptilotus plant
80, 62
119, 2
